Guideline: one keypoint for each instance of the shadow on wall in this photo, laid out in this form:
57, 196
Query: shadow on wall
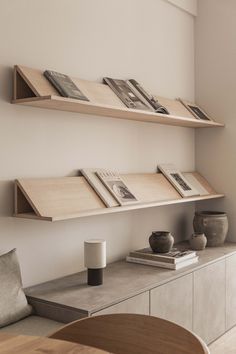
6, 87
6, 198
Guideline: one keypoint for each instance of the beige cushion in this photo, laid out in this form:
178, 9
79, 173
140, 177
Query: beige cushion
13, 303
33, 326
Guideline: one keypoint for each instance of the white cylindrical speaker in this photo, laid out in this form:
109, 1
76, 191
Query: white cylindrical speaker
95, 260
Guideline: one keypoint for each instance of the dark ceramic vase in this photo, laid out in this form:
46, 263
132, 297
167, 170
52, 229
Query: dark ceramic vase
214, 224
161, 241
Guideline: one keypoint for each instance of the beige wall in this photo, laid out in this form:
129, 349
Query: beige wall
215, 91
151, 41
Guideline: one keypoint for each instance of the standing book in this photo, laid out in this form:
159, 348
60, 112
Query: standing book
178, 181
116, 186
98, 186
64, 85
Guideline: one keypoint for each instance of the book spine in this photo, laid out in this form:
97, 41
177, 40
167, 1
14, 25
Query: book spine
151, 257
163, 265
164, 259
152, 263
187, 263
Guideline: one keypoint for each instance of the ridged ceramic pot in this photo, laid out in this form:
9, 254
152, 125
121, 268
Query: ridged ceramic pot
214, 224
161, 241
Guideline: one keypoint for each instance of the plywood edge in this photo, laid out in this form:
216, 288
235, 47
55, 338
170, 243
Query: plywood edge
73, 105
32, 216
139, 206
21, 87
23, 203
31, 99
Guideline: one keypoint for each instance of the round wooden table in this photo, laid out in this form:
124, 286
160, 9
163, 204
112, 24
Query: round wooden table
20, 344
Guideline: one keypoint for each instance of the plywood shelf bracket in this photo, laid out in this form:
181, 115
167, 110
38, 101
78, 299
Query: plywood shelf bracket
22, 204
22, 88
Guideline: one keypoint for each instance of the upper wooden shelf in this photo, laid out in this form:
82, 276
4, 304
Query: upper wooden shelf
31, 88
72, 197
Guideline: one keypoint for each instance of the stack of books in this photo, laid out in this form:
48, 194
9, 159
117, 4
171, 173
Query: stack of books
175, 259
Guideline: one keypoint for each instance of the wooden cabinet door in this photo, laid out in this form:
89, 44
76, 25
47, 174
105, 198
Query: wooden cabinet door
209, 301
173, 301
138, 304
230, 291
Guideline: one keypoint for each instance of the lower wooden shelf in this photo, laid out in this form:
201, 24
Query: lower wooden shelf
72, 197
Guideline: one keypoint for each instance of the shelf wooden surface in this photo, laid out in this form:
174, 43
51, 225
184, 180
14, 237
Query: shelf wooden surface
72, 197
31, 88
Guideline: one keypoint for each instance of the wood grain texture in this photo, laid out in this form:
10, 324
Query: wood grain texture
72, 197
10, 344
209, 301
137, 305
226, 344
103, 102
174, 301
122, 280
230, 292
132, 334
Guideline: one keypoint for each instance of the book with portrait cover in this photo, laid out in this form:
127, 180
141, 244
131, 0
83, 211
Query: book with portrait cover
116, 186
90, 174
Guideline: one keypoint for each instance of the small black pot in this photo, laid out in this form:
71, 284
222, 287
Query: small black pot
161, 241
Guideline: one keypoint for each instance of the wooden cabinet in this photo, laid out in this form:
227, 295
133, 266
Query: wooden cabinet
138, 304
173, 301
230, 292
209, 301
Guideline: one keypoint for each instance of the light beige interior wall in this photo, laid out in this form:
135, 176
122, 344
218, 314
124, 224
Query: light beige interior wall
215, 92
151, 41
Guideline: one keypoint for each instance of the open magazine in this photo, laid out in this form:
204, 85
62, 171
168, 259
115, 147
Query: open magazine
134, 96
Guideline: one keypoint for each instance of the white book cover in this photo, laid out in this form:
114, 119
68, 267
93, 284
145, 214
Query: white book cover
114, 183
196, 184
98, 186
161, 264
178, 181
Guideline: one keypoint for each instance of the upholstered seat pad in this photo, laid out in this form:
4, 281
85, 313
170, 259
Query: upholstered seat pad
33, 326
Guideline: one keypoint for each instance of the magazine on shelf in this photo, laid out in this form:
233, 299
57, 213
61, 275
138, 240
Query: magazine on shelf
126, 95
64, 85
196, 111
173, 257
196, 184
178, 181
117, 187
98, 186
151, 100
174, 266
